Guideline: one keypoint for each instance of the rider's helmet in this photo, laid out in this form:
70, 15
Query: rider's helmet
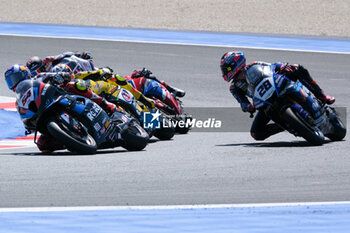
231, 64
15, 74
62, 68
35, 65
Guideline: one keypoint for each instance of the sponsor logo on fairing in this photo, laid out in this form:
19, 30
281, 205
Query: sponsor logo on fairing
94, 111
103, 130
126, 96
97, 126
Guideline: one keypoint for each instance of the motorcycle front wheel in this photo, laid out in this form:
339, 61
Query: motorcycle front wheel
78, 142
311, 134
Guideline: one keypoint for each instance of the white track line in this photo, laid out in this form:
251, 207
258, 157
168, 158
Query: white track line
169, 207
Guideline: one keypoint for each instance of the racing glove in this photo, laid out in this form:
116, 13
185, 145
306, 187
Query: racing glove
248, 107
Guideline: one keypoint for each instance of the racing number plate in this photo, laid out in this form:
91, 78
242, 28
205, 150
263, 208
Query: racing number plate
265, 89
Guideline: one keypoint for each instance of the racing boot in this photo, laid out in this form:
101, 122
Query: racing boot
176, 91
313, 86
326, 99
147, 101
108, 107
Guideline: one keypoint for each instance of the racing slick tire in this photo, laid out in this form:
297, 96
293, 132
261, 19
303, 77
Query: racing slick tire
82, 144
311, 134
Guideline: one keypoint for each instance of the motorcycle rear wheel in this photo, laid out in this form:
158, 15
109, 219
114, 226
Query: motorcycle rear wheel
311, 134
84, 145
164, 133
183, 130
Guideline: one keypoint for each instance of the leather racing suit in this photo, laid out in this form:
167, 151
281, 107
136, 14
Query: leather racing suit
152, 88
260, 129
111, 85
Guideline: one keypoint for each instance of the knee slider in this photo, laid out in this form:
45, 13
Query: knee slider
257, 136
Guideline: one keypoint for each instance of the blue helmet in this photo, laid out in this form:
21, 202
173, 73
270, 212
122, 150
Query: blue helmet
15, 74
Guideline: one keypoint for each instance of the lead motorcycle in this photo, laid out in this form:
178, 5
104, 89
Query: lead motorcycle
273, 94
76, 122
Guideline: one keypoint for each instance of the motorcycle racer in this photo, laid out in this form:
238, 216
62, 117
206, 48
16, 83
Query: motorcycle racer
17, 73
234, 68
103, 82
37, 65
81, 66
147, 74
140, 83
150, 86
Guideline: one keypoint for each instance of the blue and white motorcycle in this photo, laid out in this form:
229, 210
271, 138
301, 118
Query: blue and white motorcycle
285, 102
76, 122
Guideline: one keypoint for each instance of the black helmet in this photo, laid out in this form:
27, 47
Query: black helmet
35, 65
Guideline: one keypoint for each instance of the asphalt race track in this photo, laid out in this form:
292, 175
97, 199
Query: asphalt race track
198, 168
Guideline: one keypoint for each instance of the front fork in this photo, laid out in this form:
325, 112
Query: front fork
301, 100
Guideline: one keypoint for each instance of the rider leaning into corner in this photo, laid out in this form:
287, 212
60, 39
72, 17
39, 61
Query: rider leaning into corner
81, 74
234, 69
97, 81
37, 65
150, 86
140, 83
17, 73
